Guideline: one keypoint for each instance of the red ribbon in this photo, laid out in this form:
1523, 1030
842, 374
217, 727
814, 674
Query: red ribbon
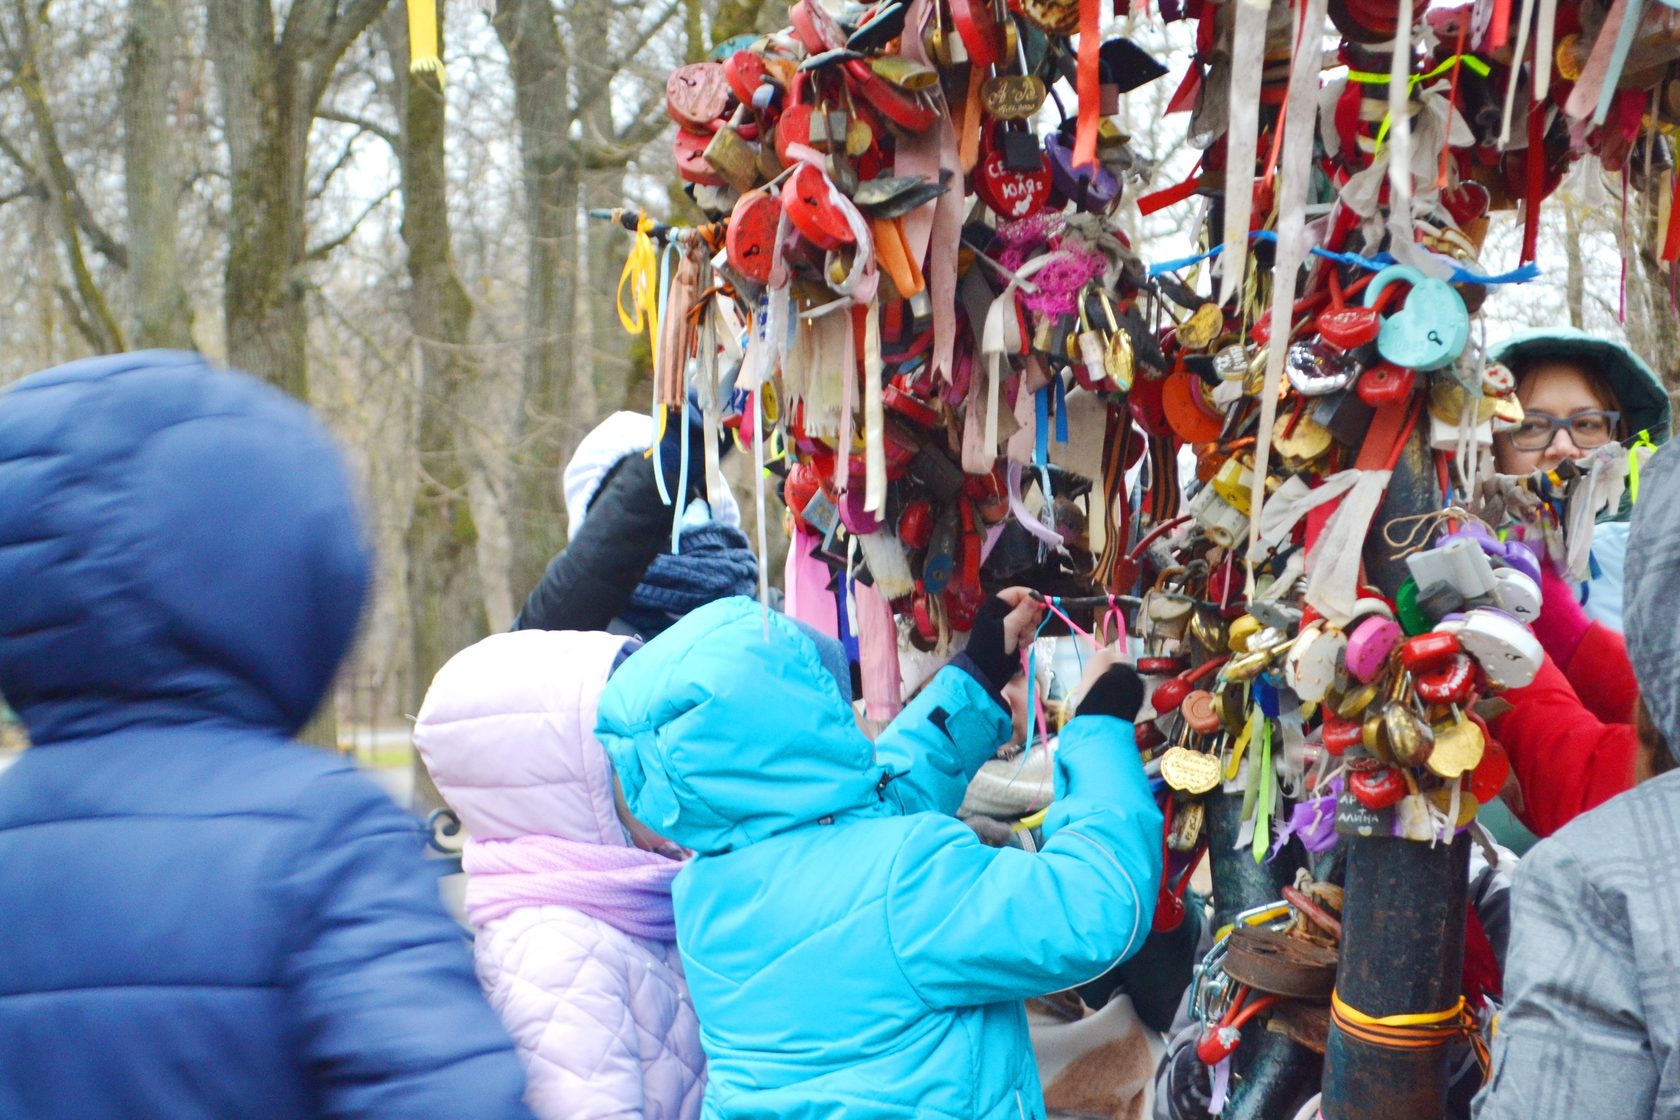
1090, 83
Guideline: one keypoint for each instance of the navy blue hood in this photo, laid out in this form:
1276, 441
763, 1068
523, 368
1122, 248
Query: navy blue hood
178, 544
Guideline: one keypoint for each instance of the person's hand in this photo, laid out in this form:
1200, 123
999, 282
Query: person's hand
1109, 687
1002, 623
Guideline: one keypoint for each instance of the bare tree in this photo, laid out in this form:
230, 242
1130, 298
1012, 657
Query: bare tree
272, 73
152, 178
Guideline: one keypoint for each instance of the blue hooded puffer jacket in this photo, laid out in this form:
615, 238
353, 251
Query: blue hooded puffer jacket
851, 948
202, 919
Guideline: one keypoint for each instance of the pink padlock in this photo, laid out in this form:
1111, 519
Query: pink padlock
1369, 646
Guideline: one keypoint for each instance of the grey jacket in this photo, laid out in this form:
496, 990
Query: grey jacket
1592, 1020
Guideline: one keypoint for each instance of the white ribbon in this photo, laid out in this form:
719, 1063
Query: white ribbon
1295, 171
1248, 60
1333, 563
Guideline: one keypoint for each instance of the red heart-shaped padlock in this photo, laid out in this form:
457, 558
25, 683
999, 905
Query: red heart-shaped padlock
697, 94
1377, 789
1169, 694
689, 151
1385, 384
915, 524
1011, 195
745, 72
812, 211
751, 239
1339, 733
1491, 773
1169, 913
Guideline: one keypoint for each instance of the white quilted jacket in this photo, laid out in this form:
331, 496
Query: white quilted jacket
602, 1019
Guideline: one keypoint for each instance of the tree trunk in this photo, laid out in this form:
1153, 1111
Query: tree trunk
262, 303
162, 313
1575, 281
445, 599
271, 80
542, 101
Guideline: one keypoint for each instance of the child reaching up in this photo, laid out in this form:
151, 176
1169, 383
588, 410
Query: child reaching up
849, 955
571, 900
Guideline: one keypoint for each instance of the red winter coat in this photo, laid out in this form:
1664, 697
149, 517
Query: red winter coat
1570, 734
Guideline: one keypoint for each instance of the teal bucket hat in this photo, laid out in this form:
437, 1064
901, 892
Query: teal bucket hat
1642, 400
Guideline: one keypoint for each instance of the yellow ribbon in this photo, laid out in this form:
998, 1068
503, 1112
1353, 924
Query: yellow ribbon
641, 276
423, 39
1644, 441
1371, 78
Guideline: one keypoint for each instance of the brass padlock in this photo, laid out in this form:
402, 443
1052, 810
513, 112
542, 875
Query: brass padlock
1203, 328
733, 158
1459, 745
1186, 826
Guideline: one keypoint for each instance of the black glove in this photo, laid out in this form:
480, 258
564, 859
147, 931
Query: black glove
985, 644
1118, 692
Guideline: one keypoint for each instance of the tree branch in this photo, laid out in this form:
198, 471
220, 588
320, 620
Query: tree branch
373, 128
325, 249
602, 88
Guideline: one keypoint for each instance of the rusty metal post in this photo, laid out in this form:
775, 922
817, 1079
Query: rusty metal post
1403, 913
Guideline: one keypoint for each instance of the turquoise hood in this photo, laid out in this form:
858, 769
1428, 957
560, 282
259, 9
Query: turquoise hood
1644, 401
726, 729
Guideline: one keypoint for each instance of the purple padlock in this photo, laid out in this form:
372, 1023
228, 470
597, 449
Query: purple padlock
854, 517
1093, 188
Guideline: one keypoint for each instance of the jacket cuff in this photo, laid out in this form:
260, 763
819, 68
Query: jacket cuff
966, 663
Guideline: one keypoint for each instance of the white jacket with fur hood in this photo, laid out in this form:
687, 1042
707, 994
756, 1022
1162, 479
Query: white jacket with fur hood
602, 1018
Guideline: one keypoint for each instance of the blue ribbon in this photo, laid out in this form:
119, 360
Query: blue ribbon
1521, 275
1061, 409
1041, 426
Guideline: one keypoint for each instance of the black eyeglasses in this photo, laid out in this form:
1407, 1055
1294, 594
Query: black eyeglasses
1586, 429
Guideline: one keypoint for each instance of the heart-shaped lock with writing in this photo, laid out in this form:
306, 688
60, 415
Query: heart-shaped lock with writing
1430, 331
1011, 194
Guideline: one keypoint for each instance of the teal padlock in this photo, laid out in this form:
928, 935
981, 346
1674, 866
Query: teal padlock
1431, 331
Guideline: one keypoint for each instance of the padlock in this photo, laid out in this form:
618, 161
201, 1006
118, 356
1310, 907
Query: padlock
1091, 186
939, 565
1234, 482
1379, 788
1409, 739
1310, 669
1344, 327
943, 44
732, 157
1433, 327
1344, 416
1223, 523
1386, 384
1497, 380
915, 524
1458, 747
1011, 191
1459, 562
1204, 326
750, 241
1339, 733
1186, 830
1428, 651
1517, 595
807, 201
1301, 441
1509, 654
1316, 371
1450, 681
696, 95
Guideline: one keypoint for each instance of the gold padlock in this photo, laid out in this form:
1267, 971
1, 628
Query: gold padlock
1304, 442
1459, 745
1186, 826
733, 158
1203, 328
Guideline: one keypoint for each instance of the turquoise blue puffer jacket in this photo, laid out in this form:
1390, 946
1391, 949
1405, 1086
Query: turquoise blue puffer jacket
852, 949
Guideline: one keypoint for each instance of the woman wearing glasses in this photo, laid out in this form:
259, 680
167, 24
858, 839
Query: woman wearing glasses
1570, 733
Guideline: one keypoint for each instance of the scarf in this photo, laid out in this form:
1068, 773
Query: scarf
627, 888
714, 562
